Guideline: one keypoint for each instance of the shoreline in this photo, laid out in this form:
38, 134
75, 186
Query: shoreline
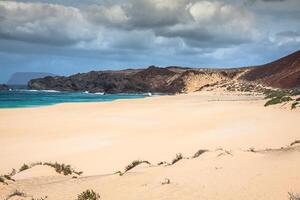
245, 94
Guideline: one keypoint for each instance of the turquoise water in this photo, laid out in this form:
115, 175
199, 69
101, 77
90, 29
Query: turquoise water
33, 98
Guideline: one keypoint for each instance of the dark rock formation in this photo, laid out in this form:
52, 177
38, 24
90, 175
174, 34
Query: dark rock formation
282, 73
22, 78
152, 79
3, 87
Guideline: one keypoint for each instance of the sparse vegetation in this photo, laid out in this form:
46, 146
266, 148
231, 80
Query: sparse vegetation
270, 94
177, 158
8, 177
2, 180
281, 96
295, 142
88, 195
119, 172
62, 168
277, 100
24, 167
161, 163
294, 105
134, 164
199, 152
16, 193
293, 196
59, 168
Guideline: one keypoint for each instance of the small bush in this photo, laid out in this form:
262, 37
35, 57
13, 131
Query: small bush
135, 163
24, 167
63, 169
161, 163
8, 177
177, 158
295, 142
294, 105
2, 180
88, 195
199, 152
295, 92
276, 93
277, 100
294, 196
16, 193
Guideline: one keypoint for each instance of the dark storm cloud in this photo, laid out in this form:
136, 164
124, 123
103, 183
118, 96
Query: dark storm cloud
187, 19
142, 32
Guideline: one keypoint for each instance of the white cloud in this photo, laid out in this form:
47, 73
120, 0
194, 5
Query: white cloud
43, 23
202, 24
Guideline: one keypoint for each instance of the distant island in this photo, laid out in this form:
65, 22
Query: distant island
283, 73
22, 78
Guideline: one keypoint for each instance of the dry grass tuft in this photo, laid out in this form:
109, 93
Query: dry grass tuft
177, 158
88, 195
135, 163
199, 152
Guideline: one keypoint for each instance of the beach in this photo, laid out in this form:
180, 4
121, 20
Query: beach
248, 148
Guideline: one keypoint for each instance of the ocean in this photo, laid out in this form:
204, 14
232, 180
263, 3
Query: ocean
35, 98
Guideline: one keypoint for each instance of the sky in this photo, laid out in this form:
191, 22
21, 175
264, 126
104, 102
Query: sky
70, 36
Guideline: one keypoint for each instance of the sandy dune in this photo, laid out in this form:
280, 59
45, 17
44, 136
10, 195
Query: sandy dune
102, 138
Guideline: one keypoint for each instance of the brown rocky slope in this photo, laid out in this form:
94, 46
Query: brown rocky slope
282, 73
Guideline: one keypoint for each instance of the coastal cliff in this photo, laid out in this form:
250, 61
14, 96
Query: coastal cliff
283, 73
152, 79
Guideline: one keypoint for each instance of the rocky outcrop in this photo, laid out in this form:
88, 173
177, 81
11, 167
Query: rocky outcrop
22, 78
282, 73
153, 79
3, 87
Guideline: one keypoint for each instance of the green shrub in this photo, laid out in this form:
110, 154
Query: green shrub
295, 92
177, 158
276, 93
24, 167
88, 195
135, 163
277, 100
